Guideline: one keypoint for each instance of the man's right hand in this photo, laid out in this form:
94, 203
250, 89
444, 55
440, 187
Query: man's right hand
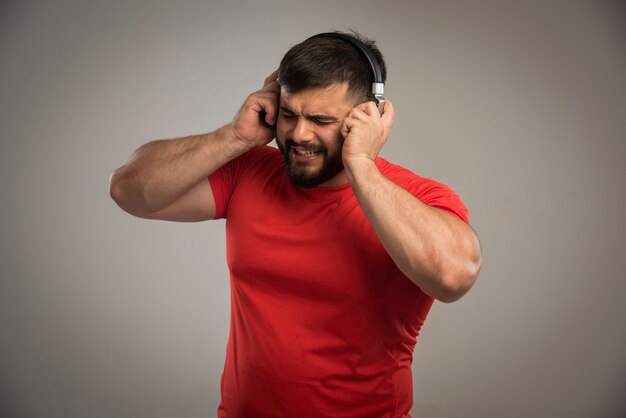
167, 179
255, 123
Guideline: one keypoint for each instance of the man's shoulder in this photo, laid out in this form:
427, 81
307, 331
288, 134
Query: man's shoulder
262, 157
397, 172
407, 179
258, 162
429, 191
263, 151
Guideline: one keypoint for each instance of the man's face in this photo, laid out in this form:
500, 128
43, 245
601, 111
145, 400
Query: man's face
308, 133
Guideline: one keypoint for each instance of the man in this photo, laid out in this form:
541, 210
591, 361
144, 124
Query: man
335, 254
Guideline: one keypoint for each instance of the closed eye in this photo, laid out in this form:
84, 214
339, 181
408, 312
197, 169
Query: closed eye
322, 122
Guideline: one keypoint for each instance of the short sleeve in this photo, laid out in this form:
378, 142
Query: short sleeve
429, 191
224, 180
222, 184
440, 196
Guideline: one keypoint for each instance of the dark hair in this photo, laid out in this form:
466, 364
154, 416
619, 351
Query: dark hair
322, 62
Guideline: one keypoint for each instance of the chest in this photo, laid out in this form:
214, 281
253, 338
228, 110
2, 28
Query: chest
291, 243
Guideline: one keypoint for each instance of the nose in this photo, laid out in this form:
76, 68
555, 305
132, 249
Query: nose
302, 131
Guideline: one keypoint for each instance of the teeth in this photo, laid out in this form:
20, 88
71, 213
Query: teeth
306, 153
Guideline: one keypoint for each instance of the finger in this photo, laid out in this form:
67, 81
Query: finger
271, 78
270, 107
389, 114
265, 101
362, 106
345, 130
370, 108
359, 112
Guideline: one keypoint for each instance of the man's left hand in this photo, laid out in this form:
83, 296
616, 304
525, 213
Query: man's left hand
365, 131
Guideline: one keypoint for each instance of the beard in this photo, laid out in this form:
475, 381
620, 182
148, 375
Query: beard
302, 174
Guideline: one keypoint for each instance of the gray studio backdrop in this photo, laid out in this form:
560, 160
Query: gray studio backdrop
518, 106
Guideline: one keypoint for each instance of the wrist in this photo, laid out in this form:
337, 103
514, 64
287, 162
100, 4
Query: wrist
360, 168
234, 145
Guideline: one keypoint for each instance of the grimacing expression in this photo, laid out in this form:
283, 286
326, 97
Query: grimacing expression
308, 134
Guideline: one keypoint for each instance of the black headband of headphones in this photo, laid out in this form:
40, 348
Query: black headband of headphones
378, 87
364, 49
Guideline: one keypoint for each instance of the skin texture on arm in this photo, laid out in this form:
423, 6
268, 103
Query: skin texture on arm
433, 248
167, 179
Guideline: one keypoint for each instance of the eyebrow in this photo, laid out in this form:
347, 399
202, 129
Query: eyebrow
320, 116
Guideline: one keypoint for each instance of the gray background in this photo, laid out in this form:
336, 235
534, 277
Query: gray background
518, 106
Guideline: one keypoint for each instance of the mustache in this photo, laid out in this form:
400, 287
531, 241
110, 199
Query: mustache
290, 143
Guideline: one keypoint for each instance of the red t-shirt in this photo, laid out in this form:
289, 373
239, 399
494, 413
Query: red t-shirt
323, 324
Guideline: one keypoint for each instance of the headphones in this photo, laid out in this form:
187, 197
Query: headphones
378, 87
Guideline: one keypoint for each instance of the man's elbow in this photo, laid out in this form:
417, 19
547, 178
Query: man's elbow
120, 193
115, 188
457, 281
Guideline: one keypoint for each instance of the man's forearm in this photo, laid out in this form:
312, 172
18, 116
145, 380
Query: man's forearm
438, 252
161, 171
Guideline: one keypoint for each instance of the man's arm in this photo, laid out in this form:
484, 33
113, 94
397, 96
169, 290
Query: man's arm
433, 248
167, 179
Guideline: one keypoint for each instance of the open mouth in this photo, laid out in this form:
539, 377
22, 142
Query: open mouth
305, 153
301, 154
